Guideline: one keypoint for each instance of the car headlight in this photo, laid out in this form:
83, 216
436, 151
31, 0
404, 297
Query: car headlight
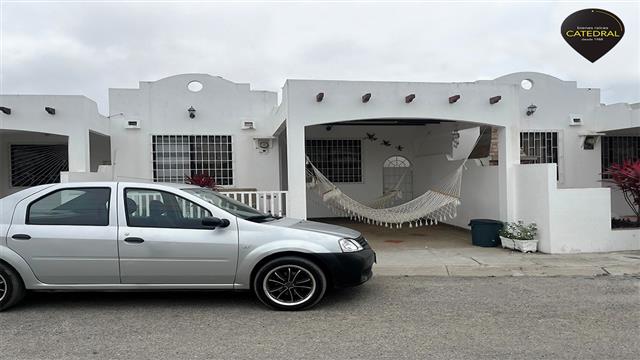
349, 245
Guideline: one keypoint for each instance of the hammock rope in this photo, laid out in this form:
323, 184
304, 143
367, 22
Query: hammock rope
437, 204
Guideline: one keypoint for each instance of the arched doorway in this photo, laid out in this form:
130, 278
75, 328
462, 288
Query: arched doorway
397, 174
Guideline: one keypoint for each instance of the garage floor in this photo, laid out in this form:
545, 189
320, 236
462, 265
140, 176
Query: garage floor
444, 250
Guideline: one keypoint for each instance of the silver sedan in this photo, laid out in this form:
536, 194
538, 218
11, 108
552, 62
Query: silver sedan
122, 236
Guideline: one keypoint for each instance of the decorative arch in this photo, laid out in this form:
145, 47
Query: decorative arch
397, 174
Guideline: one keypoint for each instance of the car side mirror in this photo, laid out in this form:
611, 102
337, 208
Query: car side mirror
214, 222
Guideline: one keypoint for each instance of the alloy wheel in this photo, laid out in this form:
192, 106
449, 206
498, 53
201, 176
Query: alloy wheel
289, 285
3, 287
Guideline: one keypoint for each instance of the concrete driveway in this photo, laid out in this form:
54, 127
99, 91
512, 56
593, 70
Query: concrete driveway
444, 250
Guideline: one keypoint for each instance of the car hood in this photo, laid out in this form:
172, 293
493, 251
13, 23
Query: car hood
339, 231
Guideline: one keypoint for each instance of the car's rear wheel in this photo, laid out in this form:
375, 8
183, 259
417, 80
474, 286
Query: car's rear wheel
290, 283
11, 287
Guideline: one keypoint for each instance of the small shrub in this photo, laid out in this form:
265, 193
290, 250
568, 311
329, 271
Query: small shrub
202, 180
626, 177
519, 230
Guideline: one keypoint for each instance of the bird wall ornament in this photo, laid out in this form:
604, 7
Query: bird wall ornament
400, 147
386, 143
371, 137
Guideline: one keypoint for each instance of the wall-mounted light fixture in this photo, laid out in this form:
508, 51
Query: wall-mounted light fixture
590, 139
5, 110
366, 97
494, 99
192, 112
50, 110
319, 96
409, 98
328, 128
453, 98
531, 109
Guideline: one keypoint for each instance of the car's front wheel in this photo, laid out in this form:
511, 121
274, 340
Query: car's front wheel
290, 283
11, 287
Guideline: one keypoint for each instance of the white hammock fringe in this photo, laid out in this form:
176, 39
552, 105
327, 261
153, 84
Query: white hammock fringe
437, 204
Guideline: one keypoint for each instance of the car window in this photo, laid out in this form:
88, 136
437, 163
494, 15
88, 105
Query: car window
78, 206
228, 204
161, 209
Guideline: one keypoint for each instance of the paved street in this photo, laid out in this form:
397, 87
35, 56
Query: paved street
389, 317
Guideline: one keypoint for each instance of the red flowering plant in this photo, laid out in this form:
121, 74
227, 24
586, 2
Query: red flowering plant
626, 177
202, 180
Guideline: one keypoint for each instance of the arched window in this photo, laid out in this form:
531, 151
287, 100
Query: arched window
397, 175
397, 162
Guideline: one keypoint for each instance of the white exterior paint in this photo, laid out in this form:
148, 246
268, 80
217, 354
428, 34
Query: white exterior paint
221, 106
565, 210
28, 123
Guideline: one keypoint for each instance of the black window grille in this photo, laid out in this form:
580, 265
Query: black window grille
617, 149
175, 156
539, 147
339, 160
33, 165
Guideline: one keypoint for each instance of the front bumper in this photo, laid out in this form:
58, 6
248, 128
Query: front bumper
349, 269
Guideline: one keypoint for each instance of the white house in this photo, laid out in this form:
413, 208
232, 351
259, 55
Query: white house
543, 144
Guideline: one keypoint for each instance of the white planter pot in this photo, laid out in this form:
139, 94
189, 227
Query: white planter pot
507, 243
526, 245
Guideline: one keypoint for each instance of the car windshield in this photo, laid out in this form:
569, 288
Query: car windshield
228, 204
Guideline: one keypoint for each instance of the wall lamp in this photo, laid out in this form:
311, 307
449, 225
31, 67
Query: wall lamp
494, 99
531, 109
5, 110
320, 96
192, 112
50, 110
453, 98
409, 98
366, 97
590, 139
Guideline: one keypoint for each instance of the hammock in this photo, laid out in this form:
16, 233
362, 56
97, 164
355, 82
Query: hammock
437, 204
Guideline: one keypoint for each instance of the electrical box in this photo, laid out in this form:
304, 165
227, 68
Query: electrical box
575, 120
132, 124
248, 125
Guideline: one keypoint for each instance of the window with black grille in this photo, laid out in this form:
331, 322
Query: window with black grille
339, 160
617, 149
539, 147
175, 156
33, 165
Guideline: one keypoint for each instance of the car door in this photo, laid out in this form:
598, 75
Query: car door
68, 235
162, 240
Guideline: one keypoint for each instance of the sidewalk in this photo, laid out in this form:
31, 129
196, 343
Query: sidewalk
444, 250
500, 262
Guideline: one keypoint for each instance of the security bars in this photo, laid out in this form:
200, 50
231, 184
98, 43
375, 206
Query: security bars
33, 165
339, 159
175, 156
617, 149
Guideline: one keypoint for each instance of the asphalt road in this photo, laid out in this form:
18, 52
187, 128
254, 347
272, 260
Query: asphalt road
387, 318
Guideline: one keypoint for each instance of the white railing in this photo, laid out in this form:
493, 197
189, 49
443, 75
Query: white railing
270, 202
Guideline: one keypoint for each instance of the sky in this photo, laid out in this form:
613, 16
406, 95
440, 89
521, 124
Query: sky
87, 47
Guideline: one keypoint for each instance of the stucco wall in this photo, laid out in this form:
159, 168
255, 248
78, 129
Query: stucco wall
75, 116
569, 220
221, 106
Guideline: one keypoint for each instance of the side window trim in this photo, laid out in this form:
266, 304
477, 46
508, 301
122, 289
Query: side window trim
127, 214
28, 211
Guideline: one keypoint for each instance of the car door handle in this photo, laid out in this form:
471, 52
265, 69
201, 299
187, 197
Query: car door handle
134, 240
21, 237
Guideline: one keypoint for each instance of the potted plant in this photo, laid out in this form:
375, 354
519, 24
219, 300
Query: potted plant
519, 236
202, 180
